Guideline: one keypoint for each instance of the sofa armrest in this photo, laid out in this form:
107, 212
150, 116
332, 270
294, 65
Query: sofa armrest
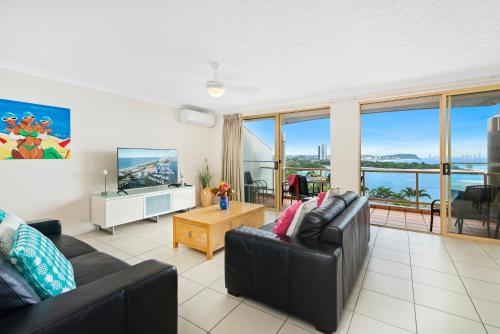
139, 299
294, 275
47, 226
351, 231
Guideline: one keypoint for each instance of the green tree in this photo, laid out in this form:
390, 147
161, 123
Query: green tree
409, 193
423, 193
381, 192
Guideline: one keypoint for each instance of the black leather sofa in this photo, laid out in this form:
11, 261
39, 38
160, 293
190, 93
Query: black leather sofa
111, 296
309, 275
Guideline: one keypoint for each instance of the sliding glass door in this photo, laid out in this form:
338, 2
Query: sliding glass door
260, 163
305, 154
473, 163
400, 161
281, 146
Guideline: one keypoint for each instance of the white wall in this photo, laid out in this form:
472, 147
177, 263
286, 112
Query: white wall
345, 145
254, 149
99, 123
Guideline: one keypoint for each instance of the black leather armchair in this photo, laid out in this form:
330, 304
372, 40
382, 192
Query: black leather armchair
309, 275
111, 296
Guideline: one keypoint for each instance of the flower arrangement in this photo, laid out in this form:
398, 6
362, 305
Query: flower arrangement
223, 190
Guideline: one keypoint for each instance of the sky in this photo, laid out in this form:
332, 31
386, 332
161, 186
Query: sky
301, 138
417, 132
413, 131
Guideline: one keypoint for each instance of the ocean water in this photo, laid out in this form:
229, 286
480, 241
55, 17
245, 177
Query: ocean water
430, 182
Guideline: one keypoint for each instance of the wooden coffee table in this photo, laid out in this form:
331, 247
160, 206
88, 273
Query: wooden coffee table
204, 228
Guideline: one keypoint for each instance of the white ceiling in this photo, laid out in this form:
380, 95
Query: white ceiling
293, 51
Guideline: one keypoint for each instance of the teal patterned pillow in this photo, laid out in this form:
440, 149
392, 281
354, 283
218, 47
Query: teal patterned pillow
40, 263
2, 215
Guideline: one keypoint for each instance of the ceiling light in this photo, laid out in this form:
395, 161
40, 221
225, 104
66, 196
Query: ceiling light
215, 89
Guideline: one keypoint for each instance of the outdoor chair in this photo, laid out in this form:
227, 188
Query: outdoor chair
474, 203
495, 212
300, 190
435, 208
285, 189
259, 186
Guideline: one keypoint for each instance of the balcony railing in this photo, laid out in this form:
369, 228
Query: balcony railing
417, 203
292, 170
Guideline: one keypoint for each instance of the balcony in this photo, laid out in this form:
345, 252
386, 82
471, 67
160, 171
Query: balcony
411, 210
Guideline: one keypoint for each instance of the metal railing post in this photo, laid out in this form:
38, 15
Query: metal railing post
363, 184
417, 190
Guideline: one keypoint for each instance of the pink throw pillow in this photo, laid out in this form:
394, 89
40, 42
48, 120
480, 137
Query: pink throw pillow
285, 219
321, 197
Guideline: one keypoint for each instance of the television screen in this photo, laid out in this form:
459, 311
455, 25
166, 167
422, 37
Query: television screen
139, 167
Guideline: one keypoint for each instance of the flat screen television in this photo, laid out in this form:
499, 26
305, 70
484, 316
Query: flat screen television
142, 167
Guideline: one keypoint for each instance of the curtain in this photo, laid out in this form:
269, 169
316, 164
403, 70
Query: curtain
232, 154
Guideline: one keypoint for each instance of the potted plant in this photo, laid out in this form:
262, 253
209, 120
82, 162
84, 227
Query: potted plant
223, 191
206, 195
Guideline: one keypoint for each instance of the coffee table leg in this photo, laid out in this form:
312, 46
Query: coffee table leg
210, 254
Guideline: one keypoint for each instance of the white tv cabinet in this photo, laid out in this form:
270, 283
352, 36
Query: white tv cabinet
117, 209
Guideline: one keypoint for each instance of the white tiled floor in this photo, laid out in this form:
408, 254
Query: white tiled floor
413, 283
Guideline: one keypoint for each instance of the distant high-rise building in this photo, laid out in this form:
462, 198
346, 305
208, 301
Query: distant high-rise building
322, 153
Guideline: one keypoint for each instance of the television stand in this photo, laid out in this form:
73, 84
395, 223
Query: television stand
138, 204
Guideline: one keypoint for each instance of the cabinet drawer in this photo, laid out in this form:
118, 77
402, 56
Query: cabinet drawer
191, 235
252, 219
234, 223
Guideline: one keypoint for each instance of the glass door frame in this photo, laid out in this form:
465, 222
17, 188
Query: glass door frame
444, 150
277, 153
445, 122
277, 116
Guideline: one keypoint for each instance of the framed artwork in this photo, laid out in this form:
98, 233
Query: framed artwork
34, 131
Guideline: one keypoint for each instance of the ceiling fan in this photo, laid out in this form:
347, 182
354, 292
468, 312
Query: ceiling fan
216, 88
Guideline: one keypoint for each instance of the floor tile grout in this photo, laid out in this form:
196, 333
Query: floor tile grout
413, 291
192, 323
382, 321
466, 290
363, 280
405, 240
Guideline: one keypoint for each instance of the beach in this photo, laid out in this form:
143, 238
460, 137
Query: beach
50, 142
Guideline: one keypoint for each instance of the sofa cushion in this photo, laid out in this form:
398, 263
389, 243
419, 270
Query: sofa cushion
91, 266
8, 229
285, 219
321, 197
2, 215
70, 246
314, 221
40, 263
333, 191
348, 197
301, 212
15, 292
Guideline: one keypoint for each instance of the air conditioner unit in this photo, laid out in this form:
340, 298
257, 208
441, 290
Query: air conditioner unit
191, 116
